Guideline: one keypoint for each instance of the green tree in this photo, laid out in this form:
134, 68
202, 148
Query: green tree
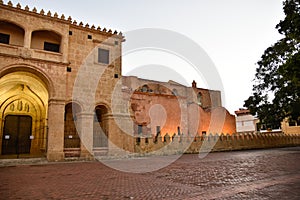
278, 73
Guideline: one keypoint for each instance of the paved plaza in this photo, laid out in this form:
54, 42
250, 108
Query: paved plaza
255, 174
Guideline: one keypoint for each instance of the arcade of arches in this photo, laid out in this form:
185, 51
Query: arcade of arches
24, 112
72, 142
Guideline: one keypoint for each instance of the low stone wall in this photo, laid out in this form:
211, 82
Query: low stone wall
212, 143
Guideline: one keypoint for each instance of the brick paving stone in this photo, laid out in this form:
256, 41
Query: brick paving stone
256, 174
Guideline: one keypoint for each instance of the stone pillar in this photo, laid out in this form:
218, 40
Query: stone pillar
27, 39
84, 125
64, 48
121, 139
55, 147
115, 147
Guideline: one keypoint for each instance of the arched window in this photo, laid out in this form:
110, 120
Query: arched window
71, 137
46, 40
100, 127
11, 34
199, 99
145, 88
175, 92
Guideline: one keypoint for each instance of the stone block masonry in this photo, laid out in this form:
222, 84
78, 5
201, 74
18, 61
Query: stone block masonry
212, 143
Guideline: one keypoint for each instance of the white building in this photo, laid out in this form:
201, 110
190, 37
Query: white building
245, 122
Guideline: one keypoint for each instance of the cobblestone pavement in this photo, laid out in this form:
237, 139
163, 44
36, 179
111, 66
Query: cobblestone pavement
256, 174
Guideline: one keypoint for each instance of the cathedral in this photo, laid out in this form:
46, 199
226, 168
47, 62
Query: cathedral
62, 93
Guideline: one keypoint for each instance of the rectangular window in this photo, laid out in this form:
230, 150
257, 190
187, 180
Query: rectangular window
4, 38
51, 47
140, 129
292, 123
157, 129
69, 69
103, 56
178, 130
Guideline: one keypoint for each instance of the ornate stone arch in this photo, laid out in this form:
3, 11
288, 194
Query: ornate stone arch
24, 93
22, 67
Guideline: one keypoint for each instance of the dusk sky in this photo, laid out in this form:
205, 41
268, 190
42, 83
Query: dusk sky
233, 33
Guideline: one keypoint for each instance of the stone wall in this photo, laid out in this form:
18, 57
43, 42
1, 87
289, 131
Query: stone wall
70, 73
171, 107
212, 143
287, 129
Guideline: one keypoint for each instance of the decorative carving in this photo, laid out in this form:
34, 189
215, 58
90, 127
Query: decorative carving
26, 8
34, 10
18, 6
22, 87
10, 4
63, 17
49, 14
42, 12
20, 106
55, 15
24, 53
12, 107
26, 107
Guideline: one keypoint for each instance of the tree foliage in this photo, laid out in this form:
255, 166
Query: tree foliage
278, 73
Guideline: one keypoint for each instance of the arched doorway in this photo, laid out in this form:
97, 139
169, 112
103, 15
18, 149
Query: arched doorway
23, 115
100, 130
71, 137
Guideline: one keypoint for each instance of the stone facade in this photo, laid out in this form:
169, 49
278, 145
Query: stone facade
40, 56
290, 127
247, 123
61, 87
169, 107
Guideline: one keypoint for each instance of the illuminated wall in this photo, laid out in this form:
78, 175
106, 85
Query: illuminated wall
174, 108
